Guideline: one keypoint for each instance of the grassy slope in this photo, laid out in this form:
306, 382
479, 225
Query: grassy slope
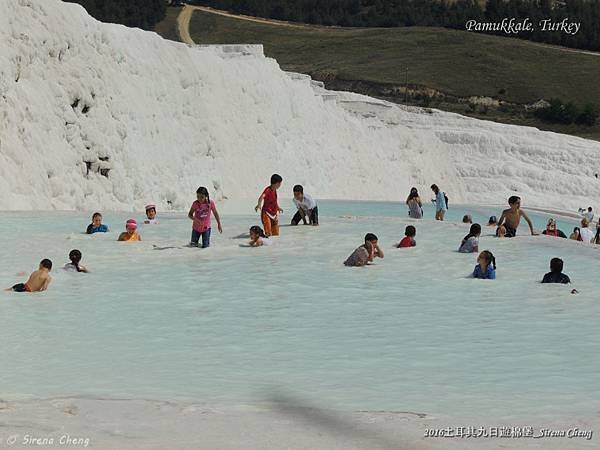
167, 27
454, 62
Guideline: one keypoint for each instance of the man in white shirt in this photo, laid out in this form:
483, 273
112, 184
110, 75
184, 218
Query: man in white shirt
307, 207
586, 234
589, 215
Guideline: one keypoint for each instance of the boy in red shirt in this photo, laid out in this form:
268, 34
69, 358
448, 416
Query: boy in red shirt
267, 203
409, 238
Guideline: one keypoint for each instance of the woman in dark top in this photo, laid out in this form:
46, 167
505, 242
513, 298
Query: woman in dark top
551, 230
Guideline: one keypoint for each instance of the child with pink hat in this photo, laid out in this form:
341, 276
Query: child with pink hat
131, 233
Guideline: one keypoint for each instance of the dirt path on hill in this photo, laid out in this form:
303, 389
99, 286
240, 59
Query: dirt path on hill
183, 24
183, 21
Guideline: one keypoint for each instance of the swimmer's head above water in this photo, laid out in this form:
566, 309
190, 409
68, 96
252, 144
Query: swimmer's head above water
151, 211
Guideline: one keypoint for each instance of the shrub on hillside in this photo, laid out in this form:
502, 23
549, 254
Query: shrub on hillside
589, 115
558, 112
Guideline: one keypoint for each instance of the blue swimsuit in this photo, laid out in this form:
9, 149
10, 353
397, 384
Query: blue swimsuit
490, 273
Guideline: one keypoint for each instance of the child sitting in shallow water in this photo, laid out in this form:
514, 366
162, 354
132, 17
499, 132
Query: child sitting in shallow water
150, 215
555, 275
131, 233
365, 253
38, 280
409, 237
361, 256
258, 237
470, 243
486, 266
96, 226
75, 257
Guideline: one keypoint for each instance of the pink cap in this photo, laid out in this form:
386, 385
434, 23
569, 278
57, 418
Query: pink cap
150, 206
131, 223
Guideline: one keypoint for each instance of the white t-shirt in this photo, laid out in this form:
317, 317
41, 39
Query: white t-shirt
586, 234
306, 204
469, 245
589, 215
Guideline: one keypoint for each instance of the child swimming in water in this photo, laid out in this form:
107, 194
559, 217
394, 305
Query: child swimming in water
409, 237
131, 233
470, 243
38, 280
258, 237
555, 275
200, 213
150, 215
486, 266
75, 257
96, 226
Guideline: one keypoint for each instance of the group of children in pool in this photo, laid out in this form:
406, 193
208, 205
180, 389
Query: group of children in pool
506, 227
201, 211
307, 211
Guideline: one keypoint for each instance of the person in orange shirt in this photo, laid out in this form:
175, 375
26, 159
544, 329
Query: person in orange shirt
269, 208
131, 234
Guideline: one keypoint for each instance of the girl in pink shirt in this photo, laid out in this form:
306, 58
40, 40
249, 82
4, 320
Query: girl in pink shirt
200, 213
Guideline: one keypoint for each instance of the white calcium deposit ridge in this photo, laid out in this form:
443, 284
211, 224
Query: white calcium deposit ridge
102, 116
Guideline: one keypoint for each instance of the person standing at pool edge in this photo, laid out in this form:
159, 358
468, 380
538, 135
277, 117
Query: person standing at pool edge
511, 218
415, 207
440, 202
584, 232
589, 214
269, 208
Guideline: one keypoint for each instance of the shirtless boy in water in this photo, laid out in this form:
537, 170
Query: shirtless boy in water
511, 218
38, 280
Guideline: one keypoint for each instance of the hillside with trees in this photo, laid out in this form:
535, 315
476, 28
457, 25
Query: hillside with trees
143, 14
432, 13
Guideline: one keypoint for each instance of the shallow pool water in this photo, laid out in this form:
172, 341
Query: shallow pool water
232, 325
